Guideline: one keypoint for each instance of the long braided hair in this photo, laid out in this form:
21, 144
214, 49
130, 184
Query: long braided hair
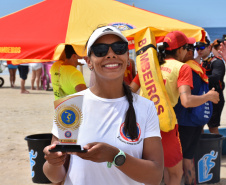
130, 125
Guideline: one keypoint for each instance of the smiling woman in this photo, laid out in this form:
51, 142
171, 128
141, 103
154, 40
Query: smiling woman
123, 143
110, 59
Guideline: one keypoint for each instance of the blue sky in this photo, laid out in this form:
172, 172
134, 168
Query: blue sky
204, 13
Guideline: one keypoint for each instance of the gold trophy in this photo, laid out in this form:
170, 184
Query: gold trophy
68, 118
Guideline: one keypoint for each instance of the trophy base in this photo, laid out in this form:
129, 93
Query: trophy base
68, 148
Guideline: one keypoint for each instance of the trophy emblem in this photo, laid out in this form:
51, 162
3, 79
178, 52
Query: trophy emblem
68, 118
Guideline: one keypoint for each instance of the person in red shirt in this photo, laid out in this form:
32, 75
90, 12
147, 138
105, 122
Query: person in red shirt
178, 81
130, 72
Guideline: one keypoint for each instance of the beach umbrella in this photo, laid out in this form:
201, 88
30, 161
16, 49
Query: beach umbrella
39, 32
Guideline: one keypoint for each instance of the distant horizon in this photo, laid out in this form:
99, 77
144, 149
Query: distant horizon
214, 27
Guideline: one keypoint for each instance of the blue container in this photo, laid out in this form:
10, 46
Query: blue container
222, 132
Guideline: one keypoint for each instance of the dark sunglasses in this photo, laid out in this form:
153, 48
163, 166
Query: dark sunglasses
185, 46
200, 48
101, 50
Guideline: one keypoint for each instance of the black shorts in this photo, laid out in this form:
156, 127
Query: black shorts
217, 110
189, 137
23, 71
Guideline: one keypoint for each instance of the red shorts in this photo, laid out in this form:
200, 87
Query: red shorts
171, 147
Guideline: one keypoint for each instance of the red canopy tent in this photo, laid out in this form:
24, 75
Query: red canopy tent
39, 32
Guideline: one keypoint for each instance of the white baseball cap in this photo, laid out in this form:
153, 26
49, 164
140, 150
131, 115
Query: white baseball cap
99, 32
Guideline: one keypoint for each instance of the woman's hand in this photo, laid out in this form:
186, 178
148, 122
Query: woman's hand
54, 158
98, 152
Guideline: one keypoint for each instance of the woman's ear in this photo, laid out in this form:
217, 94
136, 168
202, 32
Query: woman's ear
88, 61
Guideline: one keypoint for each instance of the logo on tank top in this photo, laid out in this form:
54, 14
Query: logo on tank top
124, 137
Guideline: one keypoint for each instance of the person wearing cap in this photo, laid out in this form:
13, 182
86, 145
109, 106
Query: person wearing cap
190, 129
66, 78
215, 70
177, 77
119, 130
203, 48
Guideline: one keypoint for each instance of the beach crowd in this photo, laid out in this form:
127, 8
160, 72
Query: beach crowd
121, 135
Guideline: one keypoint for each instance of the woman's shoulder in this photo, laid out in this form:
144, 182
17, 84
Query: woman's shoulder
144, 108
185, 67
142, 101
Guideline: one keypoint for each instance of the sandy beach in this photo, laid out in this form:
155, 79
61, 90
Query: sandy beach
27, 114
